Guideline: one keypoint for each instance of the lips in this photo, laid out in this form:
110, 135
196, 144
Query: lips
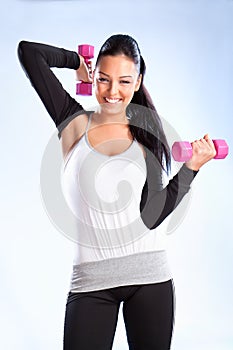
112, 100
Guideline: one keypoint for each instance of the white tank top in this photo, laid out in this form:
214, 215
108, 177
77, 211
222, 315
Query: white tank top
104, 194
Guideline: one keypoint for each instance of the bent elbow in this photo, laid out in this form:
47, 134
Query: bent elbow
22, 48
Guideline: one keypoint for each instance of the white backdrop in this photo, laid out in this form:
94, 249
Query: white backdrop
187, 46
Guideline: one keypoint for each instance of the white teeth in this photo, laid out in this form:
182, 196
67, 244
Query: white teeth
112, 100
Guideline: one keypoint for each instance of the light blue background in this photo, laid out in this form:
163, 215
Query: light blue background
188, 49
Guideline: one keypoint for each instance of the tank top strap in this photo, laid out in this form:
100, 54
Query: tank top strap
89, 122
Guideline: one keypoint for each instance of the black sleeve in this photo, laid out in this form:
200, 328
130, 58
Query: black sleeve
157, 203
36, 60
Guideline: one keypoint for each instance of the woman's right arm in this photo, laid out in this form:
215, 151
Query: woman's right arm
36, 60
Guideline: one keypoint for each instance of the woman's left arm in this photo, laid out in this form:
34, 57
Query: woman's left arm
157, 204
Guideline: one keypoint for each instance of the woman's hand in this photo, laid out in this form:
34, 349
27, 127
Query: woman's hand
84, 72
203, 151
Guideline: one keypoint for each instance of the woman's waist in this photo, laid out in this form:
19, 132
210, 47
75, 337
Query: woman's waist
138, 268
117, 245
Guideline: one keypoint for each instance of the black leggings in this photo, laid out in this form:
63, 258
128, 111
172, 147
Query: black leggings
148, 311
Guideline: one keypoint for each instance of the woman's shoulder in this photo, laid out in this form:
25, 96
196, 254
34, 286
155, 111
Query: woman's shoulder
73, 132
143, 149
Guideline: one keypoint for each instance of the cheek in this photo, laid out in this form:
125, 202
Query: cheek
97, 89
129, 91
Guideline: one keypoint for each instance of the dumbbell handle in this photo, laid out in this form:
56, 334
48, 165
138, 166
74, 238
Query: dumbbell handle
182, 151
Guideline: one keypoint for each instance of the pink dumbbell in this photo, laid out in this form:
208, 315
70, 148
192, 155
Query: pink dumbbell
87, 51
182, 151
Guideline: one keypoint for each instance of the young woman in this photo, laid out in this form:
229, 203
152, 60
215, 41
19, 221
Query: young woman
124, 138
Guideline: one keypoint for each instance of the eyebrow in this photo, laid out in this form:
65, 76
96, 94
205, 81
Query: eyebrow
123, 76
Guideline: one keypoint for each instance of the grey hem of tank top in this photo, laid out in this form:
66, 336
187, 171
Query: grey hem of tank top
134, 269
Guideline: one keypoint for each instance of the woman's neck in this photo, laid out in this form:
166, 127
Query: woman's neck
106, 118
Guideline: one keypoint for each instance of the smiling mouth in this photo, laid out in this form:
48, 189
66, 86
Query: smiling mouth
112, 100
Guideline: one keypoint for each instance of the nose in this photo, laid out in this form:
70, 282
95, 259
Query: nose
113, 88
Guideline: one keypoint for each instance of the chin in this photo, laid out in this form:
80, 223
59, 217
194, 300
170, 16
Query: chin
112, 108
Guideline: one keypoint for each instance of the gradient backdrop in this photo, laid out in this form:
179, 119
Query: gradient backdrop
188, 49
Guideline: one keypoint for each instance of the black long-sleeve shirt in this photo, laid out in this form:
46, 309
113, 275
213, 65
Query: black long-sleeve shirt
37, 59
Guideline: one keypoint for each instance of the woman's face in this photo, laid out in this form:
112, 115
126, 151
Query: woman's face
116, 79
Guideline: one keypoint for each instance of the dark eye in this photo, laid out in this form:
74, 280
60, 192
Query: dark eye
125, 82
103, 80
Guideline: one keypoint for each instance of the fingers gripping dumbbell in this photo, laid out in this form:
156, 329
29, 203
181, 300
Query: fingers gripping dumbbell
182, 151
87, 51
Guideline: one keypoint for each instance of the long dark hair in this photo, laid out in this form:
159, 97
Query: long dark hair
145, 124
